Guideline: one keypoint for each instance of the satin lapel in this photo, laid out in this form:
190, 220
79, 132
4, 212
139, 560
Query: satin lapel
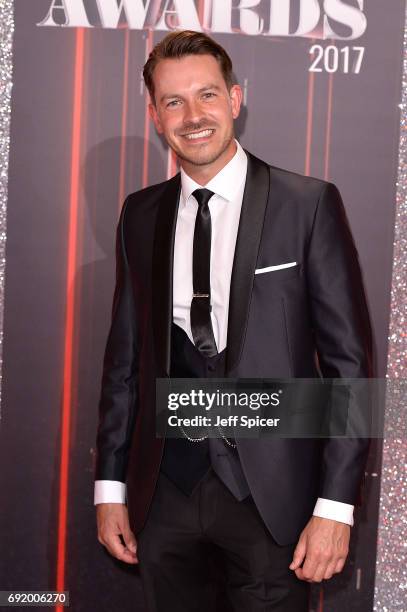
163, 257
252, 214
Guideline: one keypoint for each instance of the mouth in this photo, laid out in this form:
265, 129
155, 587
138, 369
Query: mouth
202, 135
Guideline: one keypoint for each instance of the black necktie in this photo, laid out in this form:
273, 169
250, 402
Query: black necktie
201, 325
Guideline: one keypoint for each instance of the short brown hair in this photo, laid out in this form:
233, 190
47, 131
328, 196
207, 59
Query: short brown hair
186, 42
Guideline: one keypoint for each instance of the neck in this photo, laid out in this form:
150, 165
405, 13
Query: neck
203, 174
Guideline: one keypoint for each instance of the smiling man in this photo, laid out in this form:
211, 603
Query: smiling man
197, 117
232, 268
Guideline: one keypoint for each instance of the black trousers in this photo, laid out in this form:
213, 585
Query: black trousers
210, 552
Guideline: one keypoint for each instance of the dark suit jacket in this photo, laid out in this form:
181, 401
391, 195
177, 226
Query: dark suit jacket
281, 324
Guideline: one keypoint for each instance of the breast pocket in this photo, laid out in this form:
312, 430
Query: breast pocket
277, 274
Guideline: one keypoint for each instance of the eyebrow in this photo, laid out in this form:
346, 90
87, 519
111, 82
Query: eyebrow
202, 89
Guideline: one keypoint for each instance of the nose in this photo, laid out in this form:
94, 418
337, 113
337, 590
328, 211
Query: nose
192, 112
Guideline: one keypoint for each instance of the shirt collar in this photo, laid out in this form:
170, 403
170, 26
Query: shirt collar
226, 183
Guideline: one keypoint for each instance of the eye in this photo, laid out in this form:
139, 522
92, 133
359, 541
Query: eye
209, 94
172, 103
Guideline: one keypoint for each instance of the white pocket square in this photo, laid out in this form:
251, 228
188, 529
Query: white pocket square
273, 268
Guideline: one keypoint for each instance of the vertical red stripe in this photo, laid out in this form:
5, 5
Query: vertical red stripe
205, 14
310, 109
328, 127
122, 166
321, 600
202, 13
144, 179
70, 305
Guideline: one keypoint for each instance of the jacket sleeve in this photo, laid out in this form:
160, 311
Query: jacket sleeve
343, 334
117, 406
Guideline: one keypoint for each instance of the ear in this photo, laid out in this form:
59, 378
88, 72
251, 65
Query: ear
152, 111
236, 97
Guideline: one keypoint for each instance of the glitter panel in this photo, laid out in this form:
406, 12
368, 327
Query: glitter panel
6, 76
391, 567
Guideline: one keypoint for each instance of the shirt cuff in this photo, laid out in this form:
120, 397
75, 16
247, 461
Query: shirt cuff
334, 510
109, 492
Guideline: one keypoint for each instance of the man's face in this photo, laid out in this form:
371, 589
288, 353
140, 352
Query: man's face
194, 109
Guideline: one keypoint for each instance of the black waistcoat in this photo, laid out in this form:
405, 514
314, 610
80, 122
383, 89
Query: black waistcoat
185, 462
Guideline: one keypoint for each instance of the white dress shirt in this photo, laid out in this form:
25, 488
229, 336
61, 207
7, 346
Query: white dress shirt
225, 206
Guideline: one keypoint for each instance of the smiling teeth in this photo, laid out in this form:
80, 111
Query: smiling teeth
202, 134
